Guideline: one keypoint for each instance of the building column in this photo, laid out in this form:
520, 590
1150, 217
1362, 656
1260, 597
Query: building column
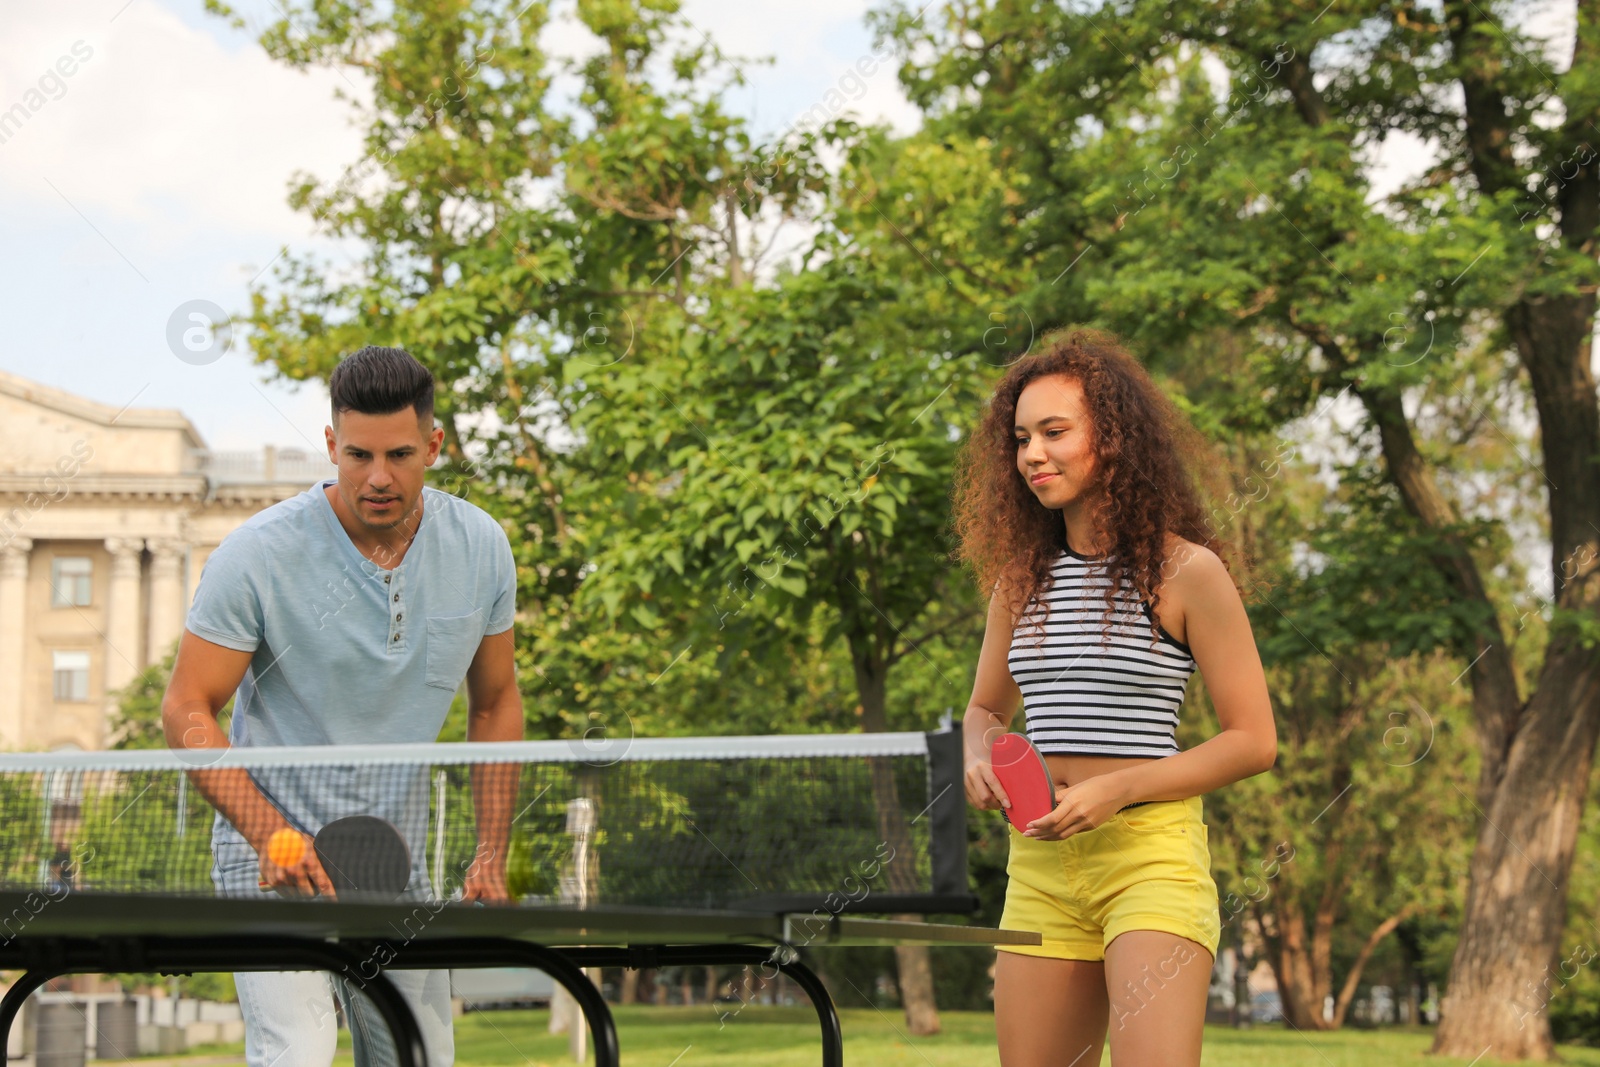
122, 617
167, 609
13, 640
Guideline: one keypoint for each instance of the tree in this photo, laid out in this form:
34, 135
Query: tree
1358, 829
801, 472
1361, 826
515, 303
1572, 995
501, 249
1250, 206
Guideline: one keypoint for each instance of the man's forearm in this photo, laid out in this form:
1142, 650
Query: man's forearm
233, 794
193, 725
494, 785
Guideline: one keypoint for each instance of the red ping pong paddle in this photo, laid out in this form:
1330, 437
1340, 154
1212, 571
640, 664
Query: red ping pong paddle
1026, 779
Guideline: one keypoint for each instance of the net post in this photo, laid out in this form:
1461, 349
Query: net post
947, 814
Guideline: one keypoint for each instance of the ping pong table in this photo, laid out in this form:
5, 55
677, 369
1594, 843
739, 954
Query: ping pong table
720, 851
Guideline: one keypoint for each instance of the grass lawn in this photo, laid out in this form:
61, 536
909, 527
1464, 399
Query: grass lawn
788, 1037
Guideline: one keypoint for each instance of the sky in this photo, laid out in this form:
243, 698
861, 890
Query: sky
149, 184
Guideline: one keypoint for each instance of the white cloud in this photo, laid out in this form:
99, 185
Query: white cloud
814, 47
164, 126
156, 173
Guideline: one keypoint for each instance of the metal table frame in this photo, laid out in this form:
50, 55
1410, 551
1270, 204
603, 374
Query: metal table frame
180, 935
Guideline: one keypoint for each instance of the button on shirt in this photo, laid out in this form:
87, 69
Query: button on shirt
344, 651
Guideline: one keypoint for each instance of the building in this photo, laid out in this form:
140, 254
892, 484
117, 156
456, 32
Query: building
106, 518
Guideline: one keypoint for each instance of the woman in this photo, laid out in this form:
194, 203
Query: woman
1108, 591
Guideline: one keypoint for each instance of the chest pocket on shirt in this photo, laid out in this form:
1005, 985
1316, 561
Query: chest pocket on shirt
452, 642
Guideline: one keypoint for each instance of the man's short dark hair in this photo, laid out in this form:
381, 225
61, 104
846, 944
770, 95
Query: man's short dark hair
380, 381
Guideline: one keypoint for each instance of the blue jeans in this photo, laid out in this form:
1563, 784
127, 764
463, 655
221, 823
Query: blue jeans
289, 1018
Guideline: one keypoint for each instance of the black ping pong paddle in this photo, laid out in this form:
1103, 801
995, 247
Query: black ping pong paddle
364, 857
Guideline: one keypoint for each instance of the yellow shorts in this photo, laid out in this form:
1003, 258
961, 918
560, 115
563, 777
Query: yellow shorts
1145, 868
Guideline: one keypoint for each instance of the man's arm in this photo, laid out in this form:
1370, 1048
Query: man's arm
494, 713
204, 676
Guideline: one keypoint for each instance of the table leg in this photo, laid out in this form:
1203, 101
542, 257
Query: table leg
827, 1015
16, 996
596, 1012
403, 1029
185, 956
508, 952
805, 977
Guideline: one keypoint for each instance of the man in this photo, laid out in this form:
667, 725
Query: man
349, 615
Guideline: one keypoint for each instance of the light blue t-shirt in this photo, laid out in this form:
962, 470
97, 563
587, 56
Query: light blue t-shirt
345, 652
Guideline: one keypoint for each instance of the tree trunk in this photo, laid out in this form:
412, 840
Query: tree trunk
1536, 757
871, 643
1303, 964
1278, 927
630, 986
916, 987
1506, 968
1299, 985
560, 1009
1347, 994
712, 985
685, 987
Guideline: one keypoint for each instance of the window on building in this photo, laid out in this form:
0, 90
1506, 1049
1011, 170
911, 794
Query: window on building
69, 581
71, 674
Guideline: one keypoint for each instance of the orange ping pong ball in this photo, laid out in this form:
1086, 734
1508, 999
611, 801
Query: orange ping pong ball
286, 847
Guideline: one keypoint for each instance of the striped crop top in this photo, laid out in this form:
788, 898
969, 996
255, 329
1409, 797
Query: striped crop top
1082, 697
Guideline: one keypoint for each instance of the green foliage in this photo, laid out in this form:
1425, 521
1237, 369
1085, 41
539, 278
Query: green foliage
1367, 813
205, 985
1571, 993
24, 852
146, 831
1367, 587
828, 487
503, 300
727, 489
136, 722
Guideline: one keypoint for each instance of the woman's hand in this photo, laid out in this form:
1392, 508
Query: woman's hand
1080, 807
983, 788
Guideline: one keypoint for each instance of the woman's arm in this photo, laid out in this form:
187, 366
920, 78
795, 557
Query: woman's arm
1225, 652
995, 697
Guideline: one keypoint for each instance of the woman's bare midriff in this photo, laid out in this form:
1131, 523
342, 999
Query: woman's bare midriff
1070, 770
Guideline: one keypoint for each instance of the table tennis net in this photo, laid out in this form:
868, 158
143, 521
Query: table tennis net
860, 822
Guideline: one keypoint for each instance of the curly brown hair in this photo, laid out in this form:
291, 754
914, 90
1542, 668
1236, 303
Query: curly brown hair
1142, 491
